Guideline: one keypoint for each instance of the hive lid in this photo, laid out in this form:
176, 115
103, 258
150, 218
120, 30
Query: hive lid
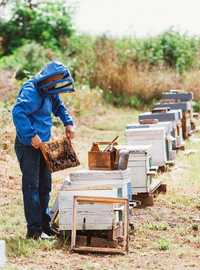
167, 125
92, 175
181, 95
184, 106
172, 115
136, 149
154, 132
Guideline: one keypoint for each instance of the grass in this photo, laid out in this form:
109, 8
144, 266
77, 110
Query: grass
164, 244
157, 226
19, 246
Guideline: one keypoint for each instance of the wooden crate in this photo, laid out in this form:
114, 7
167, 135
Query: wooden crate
100, 159
59, 154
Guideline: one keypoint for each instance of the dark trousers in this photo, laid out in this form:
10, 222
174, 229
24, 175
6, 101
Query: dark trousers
36, 186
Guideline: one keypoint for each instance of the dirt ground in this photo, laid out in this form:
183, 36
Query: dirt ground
166, 235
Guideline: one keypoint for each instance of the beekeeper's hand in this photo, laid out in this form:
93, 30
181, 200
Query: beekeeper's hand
70, 132
36, 142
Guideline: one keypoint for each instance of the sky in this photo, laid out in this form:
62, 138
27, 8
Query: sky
136, 17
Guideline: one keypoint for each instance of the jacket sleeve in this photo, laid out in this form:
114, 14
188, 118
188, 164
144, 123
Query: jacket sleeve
61, 111
27, 102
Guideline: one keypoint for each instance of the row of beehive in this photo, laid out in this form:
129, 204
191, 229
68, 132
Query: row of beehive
151, 144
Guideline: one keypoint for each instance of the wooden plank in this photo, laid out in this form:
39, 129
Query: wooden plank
103, 200
74, 217
99, 250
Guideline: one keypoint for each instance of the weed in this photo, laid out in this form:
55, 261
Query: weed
157, 226
164, 244
24, 247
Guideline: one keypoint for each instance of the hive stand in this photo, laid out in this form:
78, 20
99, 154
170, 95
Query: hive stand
147, 198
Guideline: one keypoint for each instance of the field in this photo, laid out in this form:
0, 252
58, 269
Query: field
166, 236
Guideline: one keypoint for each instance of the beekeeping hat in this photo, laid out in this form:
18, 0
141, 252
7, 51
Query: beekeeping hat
53, 79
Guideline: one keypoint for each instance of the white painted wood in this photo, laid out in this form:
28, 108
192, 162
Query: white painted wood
2, 254
140, 164
168, 126
90, 216
150, 136
88, 180
116, 178
92, 183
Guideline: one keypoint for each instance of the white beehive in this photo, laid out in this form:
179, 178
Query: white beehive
155, 137
173, 116
140, 165
169, 130
92, 183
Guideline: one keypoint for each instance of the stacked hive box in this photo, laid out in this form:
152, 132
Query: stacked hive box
140, 165
154, 136
185, 107
180, 100
114, 183
173, 116
171, 154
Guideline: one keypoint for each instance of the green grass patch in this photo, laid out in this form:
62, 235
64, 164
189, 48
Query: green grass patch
157, 226
19, 246
164, 244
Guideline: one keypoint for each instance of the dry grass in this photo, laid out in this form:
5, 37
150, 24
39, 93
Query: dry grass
141, 80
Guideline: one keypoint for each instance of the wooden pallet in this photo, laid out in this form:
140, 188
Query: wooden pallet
163, 168
181, 147
170, 163
147, 198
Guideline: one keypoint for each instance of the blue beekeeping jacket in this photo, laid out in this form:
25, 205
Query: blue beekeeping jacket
36, 102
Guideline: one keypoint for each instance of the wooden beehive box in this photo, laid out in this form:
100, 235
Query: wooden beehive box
99, 159
186, 108
139, 164
173, 116
169, 136
150, 136
178, 95
84, 182
59, 154
120, 178
92, 183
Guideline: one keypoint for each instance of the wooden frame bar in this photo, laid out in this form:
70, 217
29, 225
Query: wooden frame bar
99, 200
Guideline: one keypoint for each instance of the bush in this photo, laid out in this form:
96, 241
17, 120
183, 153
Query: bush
27, 60
46, 23
80, 56
171, 49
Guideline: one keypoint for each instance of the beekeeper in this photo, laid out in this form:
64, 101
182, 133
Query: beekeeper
37, 100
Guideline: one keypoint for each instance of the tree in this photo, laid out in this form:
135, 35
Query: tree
44, 22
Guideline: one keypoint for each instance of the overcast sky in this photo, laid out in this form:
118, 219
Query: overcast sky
136, 17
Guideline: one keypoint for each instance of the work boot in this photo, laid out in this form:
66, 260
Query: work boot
35, 235
48, 230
